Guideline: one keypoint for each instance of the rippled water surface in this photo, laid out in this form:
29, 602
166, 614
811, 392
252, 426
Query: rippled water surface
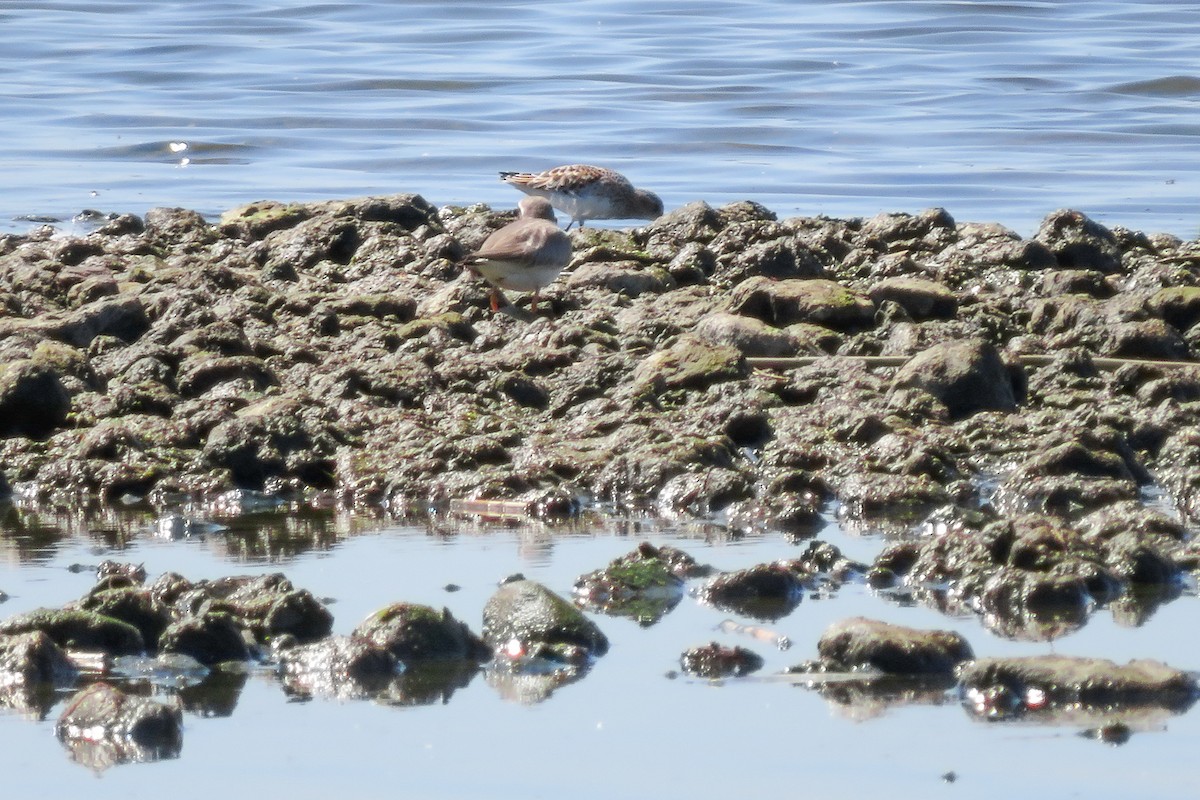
997, 111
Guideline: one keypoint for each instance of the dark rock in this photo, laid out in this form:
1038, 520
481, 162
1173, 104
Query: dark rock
210, 638
274, 438
103, 725
1067, 478
765, 591
169, 586
270, 606
875, 495
865, 643
695, 222
1076, 281
121, 317
1177, 305
134, 605
626, 278
31, 658
715, 661
416, 633
202, 373
1152, 338
33, 401
176, 225
932, 229
1078, 242
921, 299
705, 492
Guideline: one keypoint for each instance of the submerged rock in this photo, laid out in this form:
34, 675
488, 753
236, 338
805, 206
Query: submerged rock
344, 667
33, 658
716, 661
103, 725
1003, 686
860, 643
643, 585
524, 618
765, 591
417, 633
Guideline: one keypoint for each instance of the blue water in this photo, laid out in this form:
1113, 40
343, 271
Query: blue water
997, 111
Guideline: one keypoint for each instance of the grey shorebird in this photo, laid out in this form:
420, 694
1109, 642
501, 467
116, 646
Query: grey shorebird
584, 192
525, 255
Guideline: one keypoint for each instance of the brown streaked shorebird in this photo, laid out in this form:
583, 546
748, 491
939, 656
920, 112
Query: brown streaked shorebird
525, 255
585, 192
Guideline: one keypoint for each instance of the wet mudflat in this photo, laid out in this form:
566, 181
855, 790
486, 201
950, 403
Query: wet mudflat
633, 723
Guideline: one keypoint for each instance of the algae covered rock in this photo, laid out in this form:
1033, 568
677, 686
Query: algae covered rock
816, 300
643, 585
690, 363
415, 633
79, 630
134, 605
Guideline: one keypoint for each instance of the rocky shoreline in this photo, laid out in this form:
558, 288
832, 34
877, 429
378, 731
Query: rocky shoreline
1019, 418
336, 354
336, 350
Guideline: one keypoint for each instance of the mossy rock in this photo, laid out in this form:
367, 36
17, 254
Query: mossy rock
413, 632
79, 630
815, 300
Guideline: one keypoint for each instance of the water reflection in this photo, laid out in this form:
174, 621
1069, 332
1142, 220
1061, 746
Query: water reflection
32, 535
300, 540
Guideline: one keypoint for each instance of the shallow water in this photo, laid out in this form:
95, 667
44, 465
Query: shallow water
997, 111
629, 728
